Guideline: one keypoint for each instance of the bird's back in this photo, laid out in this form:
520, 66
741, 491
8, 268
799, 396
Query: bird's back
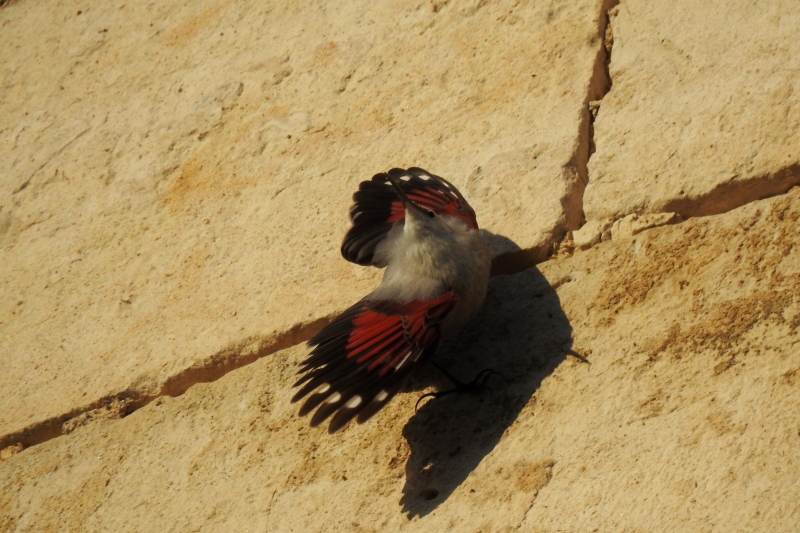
433, 256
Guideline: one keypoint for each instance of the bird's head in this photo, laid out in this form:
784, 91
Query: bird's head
453, 216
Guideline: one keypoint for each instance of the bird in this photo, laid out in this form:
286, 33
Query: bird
420, 228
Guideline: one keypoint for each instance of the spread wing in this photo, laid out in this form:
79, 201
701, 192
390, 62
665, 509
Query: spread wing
361, 359
377, 209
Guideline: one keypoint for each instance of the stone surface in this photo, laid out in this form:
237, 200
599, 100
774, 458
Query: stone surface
174, 183
704, 111
652, 384
591, 233
597, 231
634, 224
176, 177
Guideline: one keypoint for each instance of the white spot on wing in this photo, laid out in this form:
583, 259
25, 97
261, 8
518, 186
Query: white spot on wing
335, 397
381, 395
403, 360
323, 388
354, 402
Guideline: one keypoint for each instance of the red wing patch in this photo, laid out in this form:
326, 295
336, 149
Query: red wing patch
435, 194
377, 208
361, 359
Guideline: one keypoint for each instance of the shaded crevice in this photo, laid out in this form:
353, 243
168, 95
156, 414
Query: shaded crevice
572, 203
122, 404
733, 194
722, 199
599, 86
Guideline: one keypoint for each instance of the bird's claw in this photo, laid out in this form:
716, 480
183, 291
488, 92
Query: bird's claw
416, 405
474, 387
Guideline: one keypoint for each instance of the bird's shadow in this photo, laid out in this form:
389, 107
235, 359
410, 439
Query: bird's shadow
522, 333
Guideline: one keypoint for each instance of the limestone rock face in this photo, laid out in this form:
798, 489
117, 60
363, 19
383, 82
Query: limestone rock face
704, 112
174, 186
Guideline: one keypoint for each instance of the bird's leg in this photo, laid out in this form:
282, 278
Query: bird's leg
476, 386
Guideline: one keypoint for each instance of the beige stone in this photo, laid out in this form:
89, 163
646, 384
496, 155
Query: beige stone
173, 190
591, 233
704, 111
597, 231
651, 385
176, 176
634, 224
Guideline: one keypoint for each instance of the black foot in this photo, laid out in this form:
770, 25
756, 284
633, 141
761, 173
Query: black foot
475, 387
